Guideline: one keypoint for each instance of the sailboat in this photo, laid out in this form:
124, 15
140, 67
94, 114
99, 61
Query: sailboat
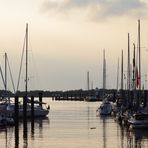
140, 117
39, 111
105, 108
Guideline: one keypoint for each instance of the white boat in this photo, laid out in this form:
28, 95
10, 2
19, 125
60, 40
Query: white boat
139, 120
105, 108
38, 110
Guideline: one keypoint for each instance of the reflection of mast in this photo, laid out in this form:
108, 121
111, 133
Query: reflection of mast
88, 119
104, 133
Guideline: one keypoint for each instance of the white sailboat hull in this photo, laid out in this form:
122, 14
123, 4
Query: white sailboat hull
37, 113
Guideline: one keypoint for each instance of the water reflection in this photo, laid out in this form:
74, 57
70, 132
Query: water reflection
136, 138
139, 137
104, 122
125, 138
40, 122
32, 128
73, 124
25, 134
16, 136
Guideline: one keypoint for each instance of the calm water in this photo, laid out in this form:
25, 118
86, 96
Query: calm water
72, 125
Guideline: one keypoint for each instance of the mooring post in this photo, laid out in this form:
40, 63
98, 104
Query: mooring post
16, 117
40, 98
32, 107
52, 97
25, 108
16, 136
16, 113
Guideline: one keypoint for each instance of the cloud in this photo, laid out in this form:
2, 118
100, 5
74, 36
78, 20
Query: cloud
97, 8
122, 7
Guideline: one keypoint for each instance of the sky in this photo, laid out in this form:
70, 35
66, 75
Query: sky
67, 38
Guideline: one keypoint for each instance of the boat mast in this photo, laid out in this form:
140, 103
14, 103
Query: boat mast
104, 70
5, 71
122, 70
139, 48
128, 64
134, 69
5, 74
88, 80
128, 72
26, 86
104, 73
117, 74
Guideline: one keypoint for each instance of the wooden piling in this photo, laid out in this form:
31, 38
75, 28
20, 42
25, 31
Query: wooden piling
32, 107
25, 108
16, 113
40, 98
25, 119
16, 136
16, 117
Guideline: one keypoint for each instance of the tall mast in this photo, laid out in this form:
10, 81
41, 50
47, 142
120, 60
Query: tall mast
118, 74
104, 73
104, 70
139, 47
88, 80
26, 58
92, 85
134, 69
128, 64
122, 70
5, 73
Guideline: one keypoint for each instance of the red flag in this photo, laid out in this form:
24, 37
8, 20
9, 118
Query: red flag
137, 77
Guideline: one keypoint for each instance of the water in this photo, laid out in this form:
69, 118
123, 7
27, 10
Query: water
72, 125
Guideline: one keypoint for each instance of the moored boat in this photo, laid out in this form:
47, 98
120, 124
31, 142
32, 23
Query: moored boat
105, 108
139, 120
39, 111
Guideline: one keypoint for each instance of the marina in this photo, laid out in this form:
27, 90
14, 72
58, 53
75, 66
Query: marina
73, 124
81, 78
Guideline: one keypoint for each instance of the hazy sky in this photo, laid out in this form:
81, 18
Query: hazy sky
67, 38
